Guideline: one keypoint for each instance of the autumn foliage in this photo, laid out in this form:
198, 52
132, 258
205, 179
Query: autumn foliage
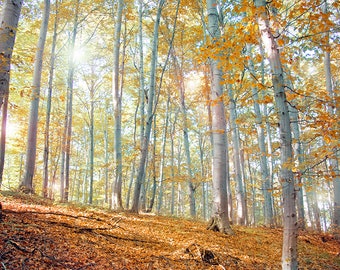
38, 234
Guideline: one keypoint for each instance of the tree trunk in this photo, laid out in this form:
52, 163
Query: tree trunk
299, 154
290, 228
241, 217
8, 27
266, 182
3, 137
333, 109
106, 156
161, 169
141, 71
117, 202
180, 77
219, 219
66, 150
27, 183
48, 106
201, 143
91, 152
150, 112
153, 174
172, 163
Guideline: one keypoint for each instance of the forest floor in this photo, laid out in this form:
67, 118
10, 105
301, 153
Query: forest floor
40, 234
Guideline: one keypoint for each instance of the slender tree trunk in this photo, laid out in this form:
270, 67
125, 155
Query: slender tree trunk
299, 155
153, 175
314, 210
3, 137
27, 183
106, 157
132, 176
91, 152
333, 110
268, 136
48, 106
201, 144
161, 170
180, 205
266, 183
290, 228
181, 87
150, 112
172, 164
66, 150
117, 202
219, 220
141, 71
240, 192
9, 19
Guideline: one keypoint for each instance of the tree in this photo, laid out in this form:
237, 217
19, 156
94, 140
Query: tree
333, 109
289, 249
266, 183
241, 217
9, 19
180, 78
27, 183
67, 134
117, 103
150, 112
219, 220
49, 103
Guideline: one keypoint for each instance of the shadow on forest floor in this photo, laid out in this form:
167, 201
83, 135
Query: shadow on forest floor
38, 234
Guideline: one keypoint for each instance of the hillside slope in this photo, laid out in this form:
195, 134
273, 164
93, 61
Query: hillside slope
37, 234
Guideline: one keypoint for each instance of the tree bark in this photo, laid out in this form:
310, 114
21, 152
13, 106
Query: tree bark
265, 175
241, 217
66, 149
333, 109
106, 156
163, 152
219, 219
48, 106
117, 202
91, 130
180, 77
290, 228
299, 155
9, 19
150, 113
27, 183
3, 137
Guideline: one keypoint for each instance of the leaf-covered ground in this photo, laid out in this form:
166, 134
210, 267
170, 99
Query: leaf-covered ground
37, 234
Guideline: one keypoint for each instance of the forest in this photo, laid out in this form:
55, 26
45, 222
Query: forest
220, 111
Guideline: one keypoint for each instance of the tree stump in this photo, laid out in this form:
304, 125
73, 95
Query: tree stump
214, 224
